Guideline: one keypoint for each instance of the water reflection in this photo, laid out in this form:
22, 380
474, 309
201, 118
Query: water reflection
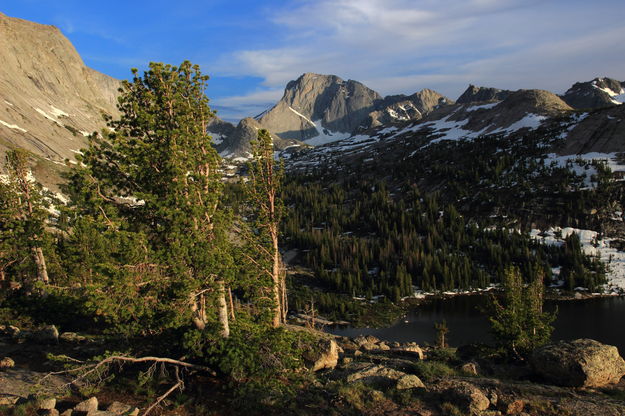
602, 319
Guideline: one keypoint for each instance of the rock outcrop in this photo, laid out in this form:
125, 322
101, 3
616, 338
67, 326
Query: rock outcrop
399, 108
598, 93
325, 356
469, 397
519, 108
315, 105
475, 94
49, 99
600, 131
579, 363
381, 375
238, 142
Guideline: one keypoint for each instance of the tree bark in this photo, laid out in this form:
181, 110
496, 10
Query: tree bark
199, 321
40, 261
277, 287
285, 303
222, 307
231, 304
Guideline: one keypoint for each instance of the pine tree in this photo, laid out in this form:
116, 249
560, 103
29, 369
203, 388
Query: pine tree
159, 170
24, 216
518, 320
263, 190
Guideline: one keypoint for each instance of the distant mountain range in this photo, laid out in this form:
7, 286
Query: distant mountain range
49, 102
320, 109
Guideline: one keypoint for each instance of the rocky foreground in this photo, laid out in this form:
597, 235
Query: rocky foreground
351, 376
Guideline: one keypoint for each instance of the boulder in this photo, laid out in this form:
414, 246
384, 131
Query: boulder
6, 362
46, 403
324, 356
71, 337
514, 407
9, 331
470, 368
46, 335
383, 347
375, 374
49, 412
467, 396
380, 375
409, 381
579, 363
89, 405
411, 350
119, 408
8, 400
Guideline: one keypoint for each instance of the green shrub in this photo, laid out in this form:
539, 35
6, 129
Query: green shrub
430, 370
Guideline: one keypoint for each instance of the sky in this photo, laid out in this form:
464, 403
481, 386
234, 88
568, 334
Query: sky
251, 49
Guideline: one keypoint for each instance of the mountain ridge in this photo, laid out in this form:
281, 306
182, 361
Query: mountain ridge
49, 99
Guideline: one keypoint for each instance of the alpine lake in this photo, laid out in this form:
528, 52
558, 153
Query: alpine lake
599, 318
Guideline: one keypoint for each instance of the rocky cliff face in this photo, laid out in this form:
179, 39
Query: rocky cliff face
399, 108
319, 105
236, 141
598, 93
600, 131
475, 94
49, 100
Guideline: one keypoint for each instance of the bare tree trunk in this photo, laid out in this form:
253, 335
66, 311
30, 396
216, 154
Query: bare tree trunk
196, 313
222, 307
40, 261
275, 274
231, 304
285, 304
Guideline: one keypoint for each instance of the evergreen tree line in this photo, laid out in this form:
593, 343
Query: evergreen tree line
363, 240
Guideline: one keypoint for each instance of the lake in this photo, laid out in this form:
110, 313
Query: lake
602, 319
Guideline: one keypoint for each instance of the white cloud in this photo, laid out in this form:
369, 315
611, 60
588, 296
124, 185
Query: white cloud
237, 107
400, 46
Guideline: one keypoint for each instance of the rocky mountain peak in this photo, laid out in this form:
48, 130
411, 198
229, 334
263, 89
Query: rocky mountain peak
598, 93
522, 108
236, 141
534, 101
319, 105
475, 94
401, 108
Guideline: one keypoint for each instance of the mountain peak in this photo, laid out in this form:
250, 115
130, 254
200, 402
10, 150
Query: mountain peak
320, 105
598, 93
480, 94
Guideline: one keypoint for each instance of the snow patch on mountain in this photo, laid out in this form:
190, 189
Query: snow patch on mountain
482, 107
302, 116
325, 136
610, 159
12, 126
530, 121
48, 116
57, 112
617, 97
593, 244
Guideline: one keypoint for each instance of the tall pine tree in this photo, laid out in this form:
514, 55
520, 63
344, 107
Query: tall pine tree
157, 166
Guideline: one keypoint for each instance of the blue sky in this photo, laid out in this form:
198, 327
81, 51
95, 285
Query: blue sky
251, 49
